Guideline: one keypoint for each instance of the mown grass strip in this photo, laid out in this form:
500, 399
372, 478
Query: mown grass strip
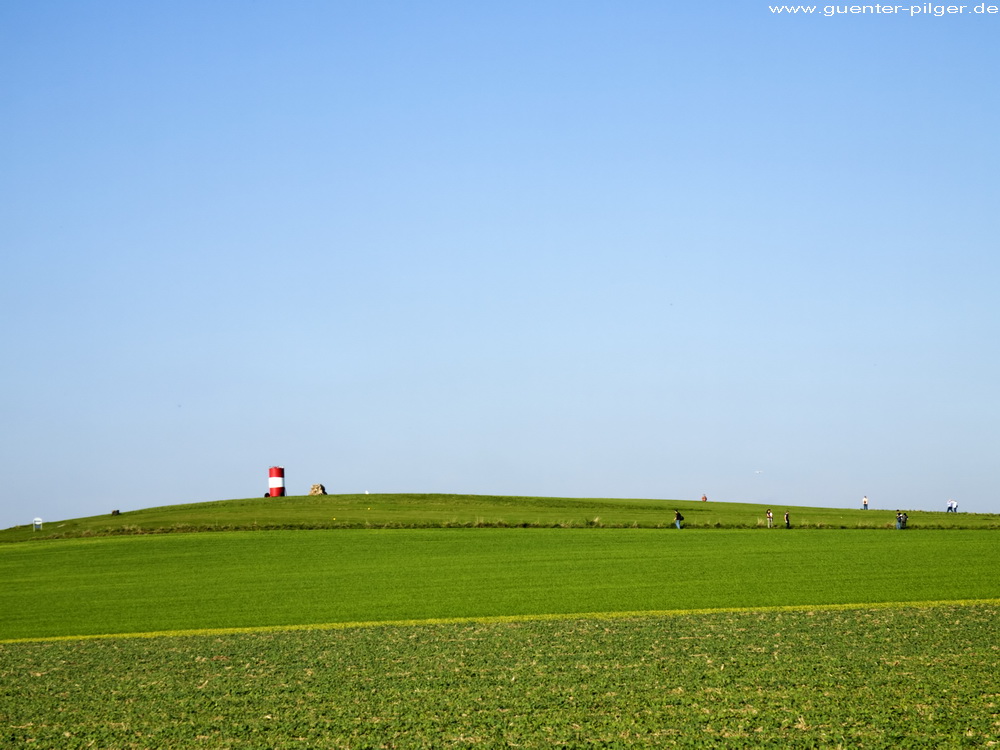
500, 619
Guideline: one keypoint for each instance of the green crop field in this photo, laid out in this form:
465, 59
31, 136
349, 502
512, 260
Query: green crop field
598, 625
281, 578
874, 678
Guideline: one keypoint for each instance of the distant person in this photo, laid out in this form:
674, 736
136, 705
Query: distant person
704, 499
899, 520
864, 503
770, 518
903, 519
788, 524
678, 518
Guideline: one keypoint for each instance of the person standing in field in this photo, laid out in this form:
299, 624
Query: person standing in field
864, 503
678, 518
788, 524
770, 518
899, 520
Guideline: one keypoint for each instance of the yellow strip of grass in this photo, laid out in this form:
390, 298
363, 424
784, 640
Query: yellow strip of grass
507, 619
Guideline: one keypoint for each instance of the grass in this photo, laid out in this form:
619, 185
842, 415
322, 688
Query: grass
598, 625
442, 511
285, 578
910, 677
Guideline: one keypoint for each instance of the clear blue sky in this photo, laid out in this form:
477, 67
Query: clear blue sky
621, 249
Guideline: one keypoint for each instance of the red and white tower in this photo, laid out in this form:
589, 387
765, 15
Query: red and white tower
276, 481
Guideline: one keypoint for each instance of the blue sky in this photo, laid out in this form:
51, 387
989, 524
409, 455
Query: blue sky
632, 249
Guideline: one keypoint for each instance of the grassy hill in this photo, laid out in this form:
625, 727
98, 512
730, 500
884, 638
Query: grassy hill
442, 511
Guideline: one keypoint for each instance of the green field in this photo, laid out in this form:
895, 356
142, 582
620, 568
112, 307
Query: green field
914, 677
422, 630
282, 578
